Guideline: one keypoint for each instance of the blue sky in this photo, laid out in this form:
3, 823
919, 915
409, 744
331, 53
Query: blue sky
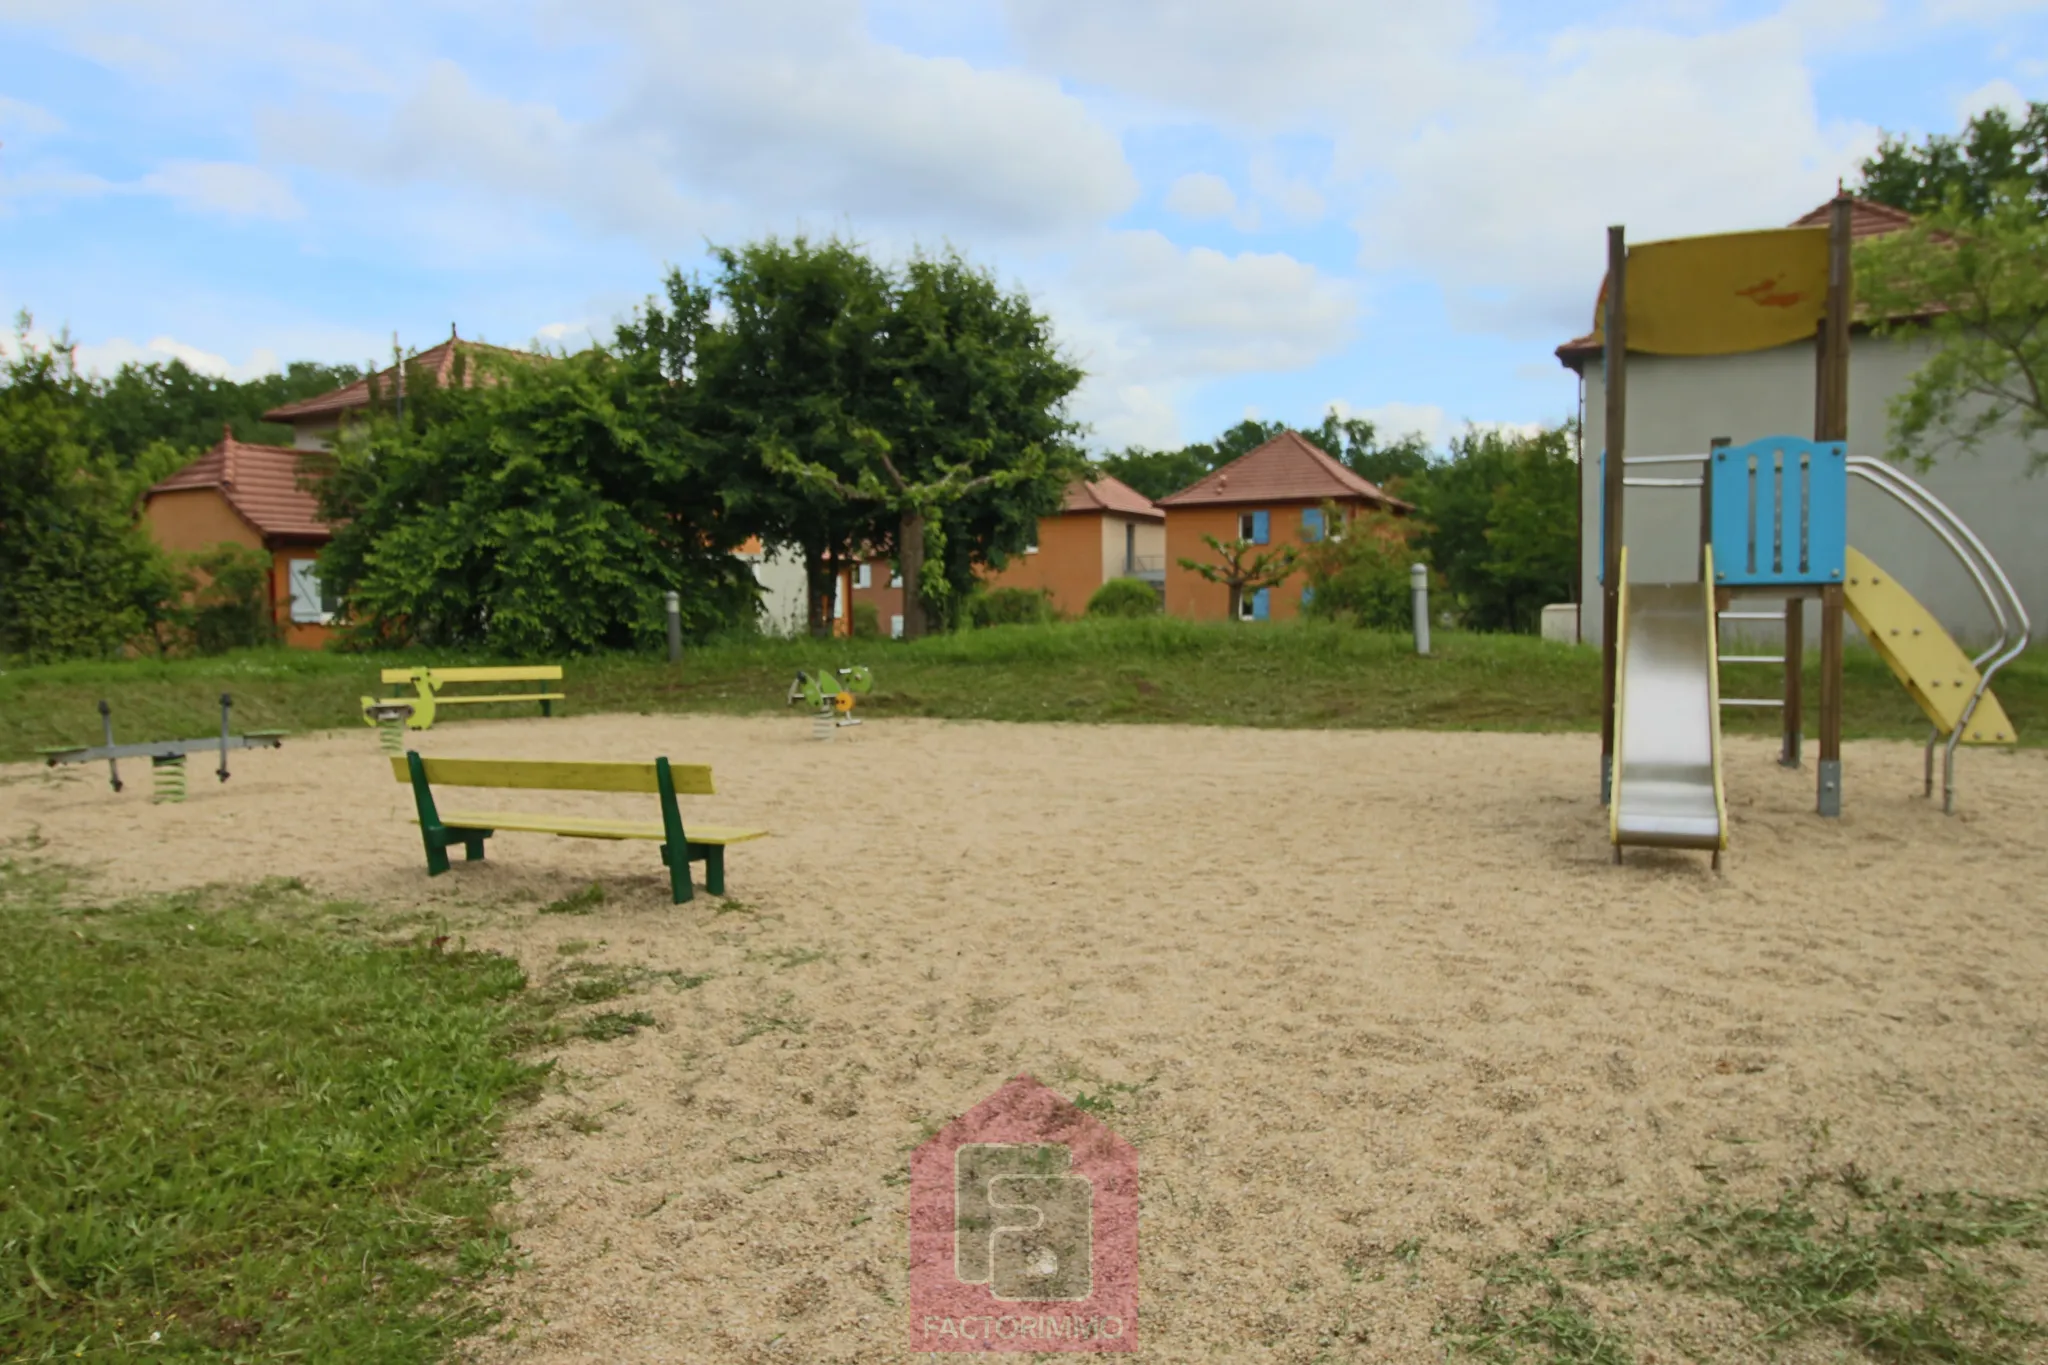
1226, 207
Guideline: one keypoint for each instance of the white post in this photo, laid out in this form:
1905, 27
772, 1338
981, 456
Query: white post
675, 627
1418, 588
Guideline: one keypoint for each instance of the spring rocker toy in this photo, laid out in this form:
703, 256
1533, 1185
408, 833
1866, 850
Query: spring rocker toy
831, 698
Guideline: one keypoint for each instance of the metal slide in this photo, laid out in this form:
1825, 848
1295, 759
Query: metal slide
1667, 761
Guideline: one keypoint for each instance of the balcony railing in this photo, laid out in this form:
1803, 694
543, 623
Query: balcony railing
1145, 566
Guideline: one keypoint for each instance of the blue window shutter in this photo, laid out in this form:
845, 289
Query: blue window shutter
1308, 595
1312, 523
1262, 601
1261, 528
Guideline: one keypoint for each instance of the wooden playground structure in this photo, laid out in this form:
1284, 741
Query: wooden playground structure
1773, 528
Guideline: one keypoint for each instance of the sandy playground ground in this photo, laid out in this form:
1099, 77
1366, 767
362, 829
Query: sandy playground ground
1373, 1007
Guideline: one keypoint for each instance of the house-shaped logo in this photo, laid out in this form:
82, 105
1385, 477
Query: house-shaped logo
1024, 1230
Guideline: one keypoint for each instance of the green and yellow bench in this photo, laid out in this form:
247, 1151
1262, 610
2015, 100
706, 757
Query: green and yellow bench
427, 686
679, 848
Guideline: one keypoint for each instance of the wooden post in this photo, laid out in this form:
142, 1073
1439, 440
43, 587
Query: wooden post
1614, 368
1795, 684
1833, 425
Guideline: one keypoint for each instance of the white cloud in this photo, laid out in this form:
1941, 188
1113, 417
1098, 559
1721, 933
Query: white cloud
1981, 11
1201, 195
1504, 203
1148, 320
1998, 94
1296, 198
105, 357
798, 109
1278, 64
225, 187
20, 118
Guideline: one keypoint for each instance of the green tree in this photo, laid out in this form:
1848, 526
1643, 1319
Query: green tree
1971, 281
1498, 521
139, 406
1243, 567
792, 377
919, 413
1358, 573
79, 576
544, 513
1992, 152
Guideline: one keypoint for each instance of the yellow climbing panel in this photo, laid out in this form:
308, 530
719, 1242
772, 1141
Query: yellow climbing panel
1921, 655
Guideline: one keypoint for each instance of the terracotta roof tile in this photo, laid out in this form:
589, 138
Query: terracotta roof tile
1107, 493
1287, 468
1866, 219
438, 361
259, 482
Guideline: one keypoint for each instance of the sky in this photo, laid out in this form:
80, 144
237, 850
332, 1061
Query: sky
1228, 208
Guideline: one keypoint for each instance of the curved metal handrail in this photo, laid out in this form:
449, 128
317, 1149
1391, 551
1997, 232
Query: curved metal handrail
1943, 521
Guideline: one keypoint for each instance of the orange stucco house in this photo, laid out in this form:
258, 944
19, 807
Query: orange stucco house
1104, 529
1271, 495
250, 494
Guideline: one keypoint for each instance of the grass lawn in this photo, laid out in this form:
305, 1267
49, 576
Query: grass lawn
1161, 670
232, 1128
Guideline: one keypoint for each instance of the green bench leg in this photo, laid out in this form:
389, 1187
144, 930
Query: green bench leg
437, 851
714, 866
472, 843
677, 856
547, 708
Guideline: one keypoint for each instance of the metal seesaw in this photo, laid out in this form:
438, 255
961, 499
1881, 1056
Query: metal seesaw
166, 756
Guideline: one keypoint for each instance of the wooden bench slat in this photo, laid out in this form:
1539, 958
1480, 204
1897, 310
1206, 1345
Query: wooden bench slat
691, 779
533, 673
440, 700
577, 827
680, 844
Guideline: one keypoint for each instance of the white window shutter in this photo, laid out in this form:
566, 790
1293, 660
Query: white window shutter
305, 589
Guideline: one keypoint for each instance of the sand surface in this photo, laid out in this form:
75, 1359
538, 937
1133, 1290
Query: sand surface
1352, 995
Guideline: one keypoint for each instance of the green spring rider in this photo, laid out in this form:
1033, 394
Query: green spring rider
831, 697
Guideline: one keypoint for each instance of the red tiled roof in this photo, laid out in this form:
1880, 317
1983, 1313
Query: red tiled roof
1287, 468
436, 361
1107, 493
1866, 219
260, 482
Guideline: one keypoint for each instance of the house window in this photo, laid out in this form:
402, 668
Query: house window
863, 577
896, 627
1031, 546
1252, 527
1311, 524
1255, 606
895, 576
312, 604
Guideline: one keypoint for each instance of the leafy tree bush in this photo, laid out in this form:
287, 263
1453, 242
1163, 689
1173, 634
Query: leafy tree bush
1992, 153
230, 605
867, 622
1009, 607
78, 575
1125, 597
1360, 576
1979, 275
545, 514
140, 406
1499, 521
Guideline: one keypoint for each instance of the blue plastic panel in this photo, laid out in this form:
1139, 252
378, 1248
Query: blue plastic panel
1780, 512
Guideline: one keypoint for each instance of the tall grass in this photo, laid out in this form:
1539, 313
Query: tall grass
229, 1130
1161, 669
